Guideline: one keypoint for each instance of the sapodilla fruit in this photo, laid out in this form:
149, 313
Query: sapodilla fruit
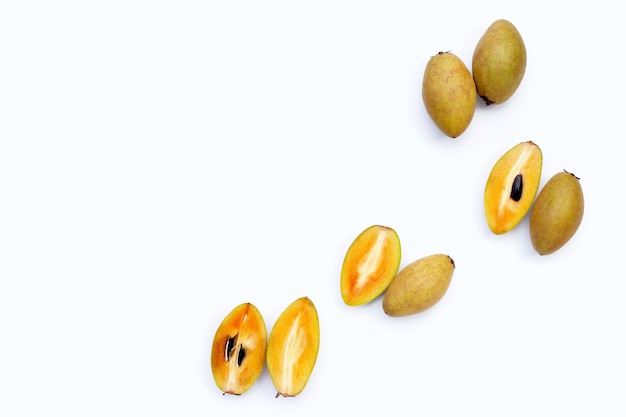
499, 62
239, 347
371, 262
449, 93
293, 347
512, 186
557, 213
419, 286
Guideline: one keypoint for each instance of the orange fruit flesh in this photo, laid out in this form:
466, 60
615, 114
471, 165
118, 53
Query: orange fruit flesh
238, 351
293, 347
370, 265
519, 167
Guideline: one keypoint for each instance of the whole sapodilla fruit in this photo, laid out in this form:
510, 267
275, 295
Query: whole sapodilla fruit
370, 264
557, 213
449, 93
419, 286
293, 347
239, 347
499, 62
512, 186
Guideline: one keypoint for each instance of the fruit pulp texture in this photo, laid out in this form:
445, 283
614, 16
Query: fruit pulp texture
512, 186
239, 348
293, 347
370, 264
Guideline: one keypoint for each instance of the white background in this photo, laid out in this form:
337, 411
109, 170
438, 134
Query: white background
164, 161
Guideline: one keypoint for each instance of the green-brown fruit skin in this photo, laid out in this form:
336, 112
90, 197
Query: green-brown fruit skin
499, 62
449, 93
557, 213
419, 286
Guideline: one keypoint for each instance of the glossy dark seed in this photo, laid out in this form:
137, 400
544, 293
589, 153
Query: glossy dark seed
516, 189
230, 345
241, 355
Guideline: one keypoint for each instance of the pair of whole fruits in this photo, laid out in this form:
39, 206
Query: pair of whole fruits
370, 268
241, 348
449, 90
511, 189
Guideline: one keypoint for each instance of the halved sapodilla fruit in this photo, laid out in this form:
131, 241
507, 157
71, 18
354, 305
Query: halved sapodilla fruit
512, 186
293, 346
239, 347
370, 265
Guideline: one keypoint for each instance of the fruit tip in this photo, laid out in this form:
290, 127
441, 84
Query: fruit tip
572, 174
486, 100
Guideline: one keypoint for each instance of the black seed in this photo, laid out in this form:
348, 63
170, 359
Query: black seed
516, 189
241, 356
230, 345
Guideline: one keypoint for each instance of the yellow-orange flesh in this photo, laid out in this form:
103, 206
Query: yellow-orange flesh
239, 348
293, 347
512, 186
370, 264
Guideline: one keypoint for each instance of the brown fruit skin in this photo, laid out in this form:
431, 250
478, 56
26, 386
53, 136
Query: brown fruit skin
238, 351
449, 93
499, 62
419, 286
502, 212
293, 347
370, 264
557, 213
